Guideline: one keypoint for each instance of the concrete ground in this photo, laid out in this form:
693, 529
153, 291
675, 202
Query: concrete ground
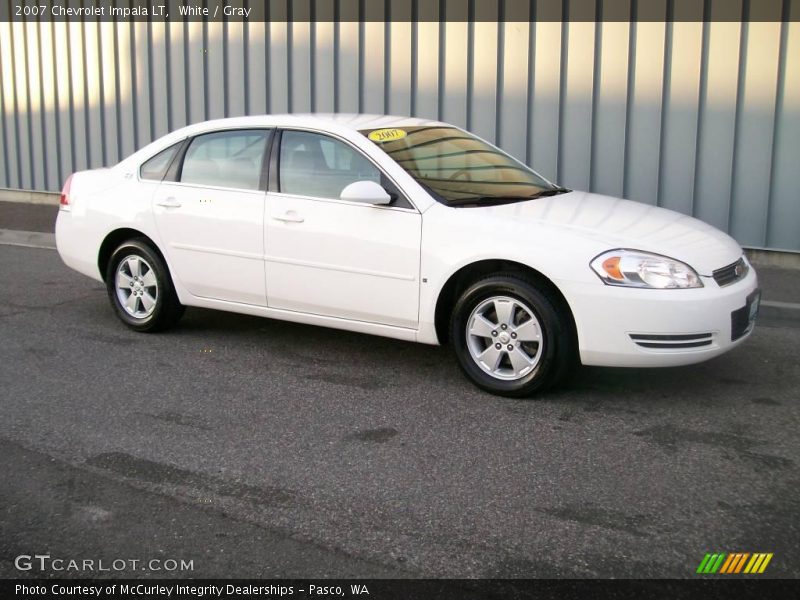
259, 448
20, 216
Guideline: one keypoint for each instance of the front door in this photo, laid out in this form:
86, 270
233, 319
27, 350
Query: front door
334, 258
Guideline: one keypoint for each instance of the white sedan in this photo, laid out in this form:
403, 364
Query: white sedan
406, 228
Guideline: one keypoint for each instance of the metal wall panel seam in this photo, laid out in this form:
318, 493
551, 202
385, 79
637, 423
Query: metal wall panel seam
387, 60
117, 89
268, 64
336, 56
738, 112
470, 61
779, 108
498, 90
102, 97
628, 100
225, 69
187, 104
441, 57
150, 91
666, 80
702, 102
206, 95
56, 163
6, 175
414, 57
530, 85
289, 59
562, 90
134, 88
17, 116
168, 70
42, 105
28, 107
361, 38
312, 58
598, 57
246, 65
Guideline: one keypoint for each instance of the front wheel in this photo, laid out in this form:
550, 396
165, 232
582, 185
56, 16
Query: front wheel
140, 288
510, 336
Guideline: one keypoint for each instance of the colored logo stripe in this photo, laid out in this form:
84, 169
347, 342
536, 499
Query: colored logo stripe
733, 563
727, 564
703, 563
711, 563
758, 563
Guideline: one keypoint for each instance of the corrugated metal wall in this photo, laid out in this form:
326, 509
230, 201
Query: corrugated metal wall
703, 118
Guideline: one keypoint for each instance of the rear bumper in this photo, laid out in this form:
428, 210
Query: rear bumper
74, 243
621, 327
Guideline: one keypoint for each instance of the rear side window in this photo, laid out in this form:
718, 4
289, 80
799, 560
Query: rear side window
231, 159
155, 168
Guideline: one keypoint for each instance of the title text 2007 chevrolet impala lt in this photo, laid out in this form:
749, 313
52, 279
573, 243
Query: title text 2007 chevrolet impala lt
406, 228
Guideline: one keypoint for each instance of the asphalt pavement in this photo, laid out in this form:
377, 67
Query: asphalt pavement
255, 447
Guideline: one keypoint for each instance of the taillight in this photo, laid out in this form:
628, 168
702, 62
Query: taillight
64, 202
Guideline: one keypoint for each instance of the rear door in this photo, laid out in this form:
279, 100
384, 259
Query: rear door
211, 217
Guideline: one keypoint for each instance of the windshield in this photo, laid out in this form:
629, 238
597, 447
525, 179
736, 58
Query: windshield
458, 168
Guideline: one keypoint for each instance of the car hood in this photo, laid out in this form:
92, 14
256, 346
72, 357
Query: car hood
618, 223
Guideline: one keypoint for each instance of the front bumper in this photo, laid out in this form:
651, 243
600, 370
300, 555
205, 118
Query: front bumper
623, 327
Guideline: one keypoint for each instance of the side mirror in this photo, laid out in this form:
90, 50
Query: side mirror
367, 192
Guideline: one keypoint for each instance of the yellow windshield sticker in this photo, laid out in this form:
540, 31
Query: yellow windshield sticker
387, 135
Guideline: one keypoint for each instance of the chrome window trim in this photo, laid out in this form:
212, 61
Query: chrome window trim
345, 202
215, 188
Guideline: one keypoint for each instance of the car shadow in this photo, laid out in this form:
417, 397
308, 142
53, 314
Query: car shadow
593, 387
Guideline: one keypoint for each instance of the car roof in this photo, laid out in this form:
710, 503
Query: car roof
360, 121
331, 122
354, 121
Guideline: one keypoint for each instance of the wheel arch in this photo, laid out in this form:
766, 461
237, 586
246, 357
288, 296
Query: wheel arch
115, 238
472, 272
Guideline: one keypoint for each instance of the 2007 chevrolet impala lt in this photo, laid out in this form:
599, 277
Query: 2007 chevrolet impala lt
407, 228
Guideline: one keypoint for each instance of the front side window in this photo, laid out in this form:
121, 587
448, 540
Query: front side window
319, 166
459, 169
155, 168
231, 159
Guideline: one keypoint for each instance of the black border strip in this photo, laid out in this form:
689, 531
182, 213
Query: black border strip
708, 587
401, 10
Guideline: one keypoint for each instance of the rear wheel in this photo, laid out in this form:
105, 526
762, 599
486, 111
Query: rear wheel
511, 337
140, 288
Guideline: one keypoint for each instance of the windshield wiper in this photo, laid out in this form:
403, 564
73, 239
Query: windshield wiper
551, 192
495, 200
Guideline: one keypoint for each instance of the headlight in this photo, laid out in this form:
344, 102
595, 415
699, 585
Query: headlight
631, 268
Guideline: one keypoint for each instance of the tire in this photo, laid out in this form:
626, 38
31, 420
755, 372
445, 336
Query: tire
511, 337
140, 288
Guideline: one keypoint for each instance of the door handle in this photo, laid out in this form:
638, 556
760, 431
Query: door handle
170, 202
289, 216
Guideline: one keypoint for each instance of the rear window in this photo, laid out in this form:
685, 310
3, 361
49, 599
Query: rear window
231, 159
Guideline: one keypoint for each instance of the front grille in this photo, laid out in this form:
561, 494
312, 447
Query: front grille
730, 274
672, 342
